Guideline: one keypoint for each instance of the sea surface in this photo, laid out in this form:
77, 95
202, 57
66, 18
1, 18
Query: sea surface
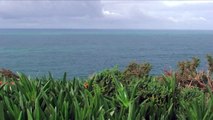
81, 53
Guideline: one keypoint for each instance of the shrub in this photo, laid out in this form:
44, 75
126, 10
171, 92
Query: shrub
104, 79
135, 70
188, 69
111, 94
210, 63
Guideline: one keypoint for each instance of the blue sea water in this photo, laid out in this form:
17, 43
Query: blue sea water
80, 53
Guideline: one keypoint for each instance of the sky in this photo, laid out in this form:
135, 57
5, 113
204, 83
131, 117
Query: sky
107, 14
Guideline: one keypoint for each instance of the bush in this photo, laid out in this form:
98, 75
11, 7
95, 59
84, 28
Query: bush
188, 69
111, 94
135, 70
105, 79
210, 63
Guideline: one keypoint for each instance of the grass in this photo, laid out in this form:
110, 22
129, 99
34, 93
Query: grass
111, 94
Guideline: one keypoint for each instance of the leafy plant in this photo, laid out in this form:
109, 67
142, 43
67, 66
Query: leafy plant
135, 70
210, 63
111, 94
188, 69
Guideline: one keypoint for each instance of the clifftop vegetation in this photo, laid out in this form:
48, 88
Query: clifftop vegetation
132, 94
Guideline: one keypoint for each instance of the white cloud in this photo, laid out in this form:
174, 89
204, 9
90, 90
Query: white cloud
179, 3
110, 14
202, 18
188, 19
173, 19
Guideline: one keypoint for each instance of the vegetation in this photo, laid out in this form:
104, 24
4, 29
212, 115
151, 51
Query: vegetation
132, 94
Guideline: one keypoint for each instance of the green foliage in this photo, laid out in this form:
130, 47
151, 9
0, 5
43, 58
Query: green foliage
198, 109
188, 69
104, 79
111, 94
210, 63
143, 98
135, 70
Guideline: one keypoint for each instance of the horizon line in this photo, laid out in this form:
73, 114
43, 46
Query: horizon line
99, 29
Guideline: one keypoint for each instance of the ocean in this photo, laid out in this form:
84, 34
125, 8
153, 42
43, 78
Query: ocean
81, 53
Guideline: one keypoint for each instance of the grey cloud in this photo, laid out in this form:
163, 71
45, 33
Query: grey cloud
21, 9
104, 14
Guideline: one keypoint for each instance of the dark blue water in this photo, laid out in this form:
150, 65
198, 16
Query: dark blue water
83, 52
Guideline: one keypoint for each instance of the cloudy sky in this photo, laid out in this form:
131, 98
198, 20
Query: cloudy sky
106, 14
